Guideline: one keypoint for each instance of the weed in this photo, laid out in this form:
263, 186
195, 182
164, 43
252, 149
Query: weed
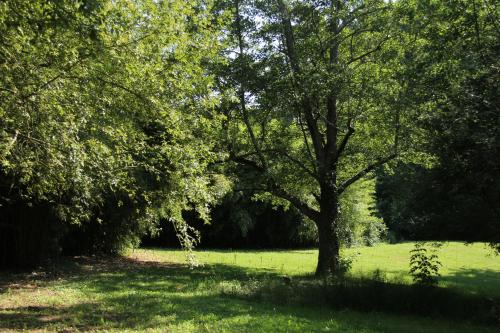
424, 264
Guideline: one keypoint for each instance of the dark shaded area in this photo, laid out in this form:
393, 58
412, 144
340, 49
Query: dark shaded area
369, 295
437, 204
113, 227
481, 279
239, 222
34, 234
29, 235
458, 196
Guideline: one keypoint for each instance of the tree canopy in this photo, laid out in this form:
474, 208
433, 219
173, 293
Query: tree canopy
319, 102
456, 85
117, 114
107, 107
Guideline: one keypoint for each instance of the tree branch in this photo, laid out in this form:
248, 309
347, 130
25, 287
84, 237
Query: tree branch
363, 172
289, 37
64, 71
242, 160
241, 92
343, 144
305, 104
294, 160
277, 190
353, 16
296, 202
367, 53
119, 85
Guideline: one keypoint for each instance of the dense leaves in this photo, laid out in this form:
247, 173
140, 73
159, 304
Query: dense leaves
456, 84
117, 114
106, 112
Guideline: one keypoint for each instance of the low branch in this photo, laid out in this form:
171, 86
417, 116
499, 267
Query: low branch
134, 41
242, 160
296, 202
63, 73
120, 86
363, 172
293, 160
250, 189
44, 144
355, 33
277, 190
277, 151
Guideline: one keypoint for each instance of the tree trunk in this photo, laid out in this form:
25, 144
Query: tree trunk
328, 257
329, 245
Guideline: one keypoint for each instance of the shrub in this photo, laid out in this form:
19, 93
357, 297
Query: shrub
424, 264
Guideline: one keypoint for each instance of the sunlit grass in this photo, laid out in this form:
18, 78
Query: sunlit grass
471, 268
153, 291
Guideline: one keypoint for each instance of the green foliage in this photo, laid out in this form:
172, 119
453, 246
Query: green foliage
107, 113
346, 263
454, 82
367, 92
115, 115
358, 222
424, 265
314, 102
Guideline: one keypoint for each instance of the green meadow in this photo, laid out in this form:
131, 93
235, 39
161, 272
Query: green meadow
153, 290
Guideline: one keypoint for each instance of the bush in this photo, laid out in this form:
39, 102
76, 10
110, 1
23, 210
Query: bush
424, 265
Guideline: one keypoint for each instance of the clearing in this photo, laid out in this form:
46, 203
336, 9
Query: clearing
152, 290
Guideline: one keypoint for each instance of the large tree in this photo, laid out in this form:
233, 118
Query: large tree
318, 103
106, 113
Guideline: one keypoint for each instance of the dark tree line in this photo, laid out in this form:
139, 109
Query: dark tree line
457, 194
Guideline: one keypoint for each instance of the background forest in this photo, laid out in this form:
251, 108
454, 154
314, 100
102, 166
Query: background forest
256, 124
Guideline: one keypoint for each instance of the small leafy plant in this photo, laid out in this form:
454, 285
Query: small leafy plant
424, 265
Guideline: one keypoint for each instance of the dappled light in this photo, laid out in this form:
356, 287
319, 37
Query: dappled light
90, 293
249, 166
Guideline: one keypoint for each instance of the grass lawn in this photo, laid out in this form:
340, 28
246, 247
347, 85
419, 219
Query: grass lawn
152, 290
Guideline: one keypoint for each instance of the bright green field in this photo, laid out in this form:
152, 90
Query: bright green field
471, 268
152, 291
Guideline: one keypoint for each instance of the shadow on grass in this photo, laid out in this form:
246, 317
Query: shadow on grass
475, 281
377, 295
130, 295
141, 295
